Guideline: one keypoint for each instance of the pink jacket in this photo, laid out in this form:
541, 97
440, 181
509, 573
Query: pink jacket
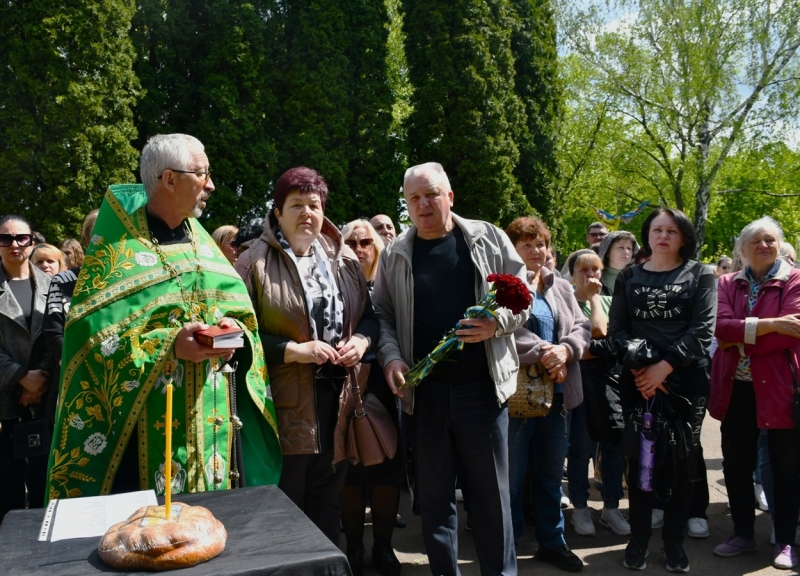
772, 378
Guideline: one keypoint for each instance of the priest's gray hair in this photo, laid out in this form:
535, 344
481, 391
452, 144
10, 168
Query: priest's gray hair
165, 152
433, 172
763, 224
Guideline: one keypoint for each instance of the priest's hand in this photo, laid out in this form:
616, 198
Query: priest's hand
187, 348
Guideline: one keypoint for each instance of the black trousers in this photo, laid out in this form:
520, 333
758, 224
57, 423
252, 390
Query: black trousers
784, 457
677, 509
315, 486
18, 473
739, 456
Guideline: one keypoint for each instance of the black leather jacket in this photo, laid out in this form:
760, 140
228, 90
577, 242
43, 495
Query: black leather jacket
21, 348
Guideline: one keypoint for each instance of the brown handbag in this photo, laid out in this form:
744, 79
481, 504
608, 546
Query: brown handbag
371, 434
534, 395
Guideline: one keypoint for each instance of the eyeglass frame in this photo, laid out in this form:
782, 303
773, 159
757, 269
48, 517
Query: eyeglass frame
197, 173
15, 238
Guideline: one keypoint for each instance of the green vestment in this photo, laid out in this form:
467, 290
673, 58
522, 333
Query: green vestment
130, 301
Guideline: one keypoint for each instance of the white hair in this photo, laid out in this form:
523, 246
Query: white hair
431, 171
763, 224
165, 152
787, 252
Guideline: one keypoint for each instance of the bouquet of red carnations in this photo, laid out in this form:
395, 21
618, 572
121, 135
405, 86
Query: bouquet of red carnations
507, 291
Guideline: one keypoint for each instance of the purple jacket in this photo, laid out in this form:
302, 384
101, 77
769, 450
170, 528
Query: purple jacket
572, 331
772, 378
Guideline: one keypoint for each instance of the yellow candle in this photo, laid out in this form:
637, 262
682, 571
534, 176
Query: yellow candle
168, 465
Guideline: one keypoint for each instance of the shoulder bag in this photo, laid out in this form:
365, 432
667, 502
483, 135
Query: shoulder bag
371, 434
534, 395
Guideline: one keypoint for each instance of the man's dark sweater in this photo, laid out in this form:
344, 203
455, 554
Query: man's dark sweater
444, 287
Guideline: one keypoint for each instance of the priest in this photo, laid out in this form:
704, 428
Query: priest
151, 278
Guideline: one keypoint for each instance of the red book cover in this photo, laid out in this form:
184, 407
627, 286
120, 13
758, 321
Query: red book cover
219, 337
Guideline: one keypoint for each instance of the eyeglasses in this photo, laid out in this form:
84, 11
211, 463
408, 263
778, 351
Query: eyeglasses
22, 240
364, 243
204, 175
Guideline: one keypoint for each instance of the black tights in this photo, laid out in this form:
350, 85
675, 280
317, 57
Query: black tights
384, 499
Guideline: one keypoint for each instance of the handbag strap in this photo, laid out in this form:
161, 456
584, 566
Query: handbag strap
355, 390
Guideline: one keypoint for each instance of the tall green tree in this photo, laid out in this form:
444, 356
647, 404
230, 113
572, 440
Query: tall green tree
336, 103
67, 90
207, 67
691, 81
466, 113
538, 87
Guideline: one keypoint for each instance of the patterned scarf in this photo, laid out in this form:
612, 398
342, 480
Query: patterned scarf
320, 276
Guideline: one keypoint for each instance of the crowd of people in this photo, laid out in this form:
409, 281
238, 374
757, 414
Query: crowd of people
632, 340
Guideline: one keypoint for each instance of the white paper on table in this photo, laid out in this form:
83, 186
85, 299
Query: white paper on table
94, 515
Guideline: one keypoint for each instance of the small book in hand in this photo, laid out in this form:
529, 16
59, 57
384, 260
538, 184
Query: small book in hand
219, 337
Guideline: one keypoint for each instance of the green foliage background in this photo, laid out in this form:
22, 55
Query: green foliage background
361, 90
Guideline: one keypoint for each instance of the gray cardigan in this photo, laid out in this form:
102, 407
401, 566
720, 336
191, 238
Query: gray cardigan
573, 332
16, 340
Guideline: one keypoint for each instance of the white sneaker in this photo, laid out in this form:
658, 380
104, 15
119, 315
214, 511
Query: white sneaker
616, 521
565, 502
761, 498
657, 519
698, 528
582, 521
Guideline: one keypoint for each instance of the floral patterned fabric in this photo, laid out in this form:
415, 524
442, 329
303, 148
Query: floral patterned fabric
126, 311
743, 371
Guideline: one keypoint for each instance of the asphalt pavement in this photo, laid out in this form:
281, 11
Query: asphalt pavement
603, 553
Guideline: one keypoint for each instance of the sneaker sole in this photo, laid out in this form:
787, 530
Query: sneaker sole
699, 536
582, 533
731, 555
605, 524
677, 570
642, 567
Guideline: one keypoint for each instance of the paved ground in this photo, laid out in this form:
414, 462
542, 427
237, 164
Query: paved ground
603, 553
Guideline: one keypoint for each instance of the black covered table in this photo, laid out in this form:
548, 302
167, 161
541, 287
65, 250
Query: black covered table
267, 534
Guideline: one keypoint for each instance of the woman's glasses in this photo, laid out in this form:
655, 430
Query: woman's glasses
364, 243
23, 240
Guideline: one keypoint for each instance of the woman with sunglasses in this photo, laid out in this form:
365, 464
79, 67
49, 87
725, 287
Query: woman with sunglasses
23, 370
316, 322
383, 480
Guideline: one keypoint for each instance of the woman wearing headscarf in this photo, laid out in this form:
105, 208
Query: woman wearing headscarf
617, 250
316, 322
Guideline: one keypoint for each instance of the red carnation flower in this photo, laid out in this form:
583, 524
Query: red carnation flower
512, 293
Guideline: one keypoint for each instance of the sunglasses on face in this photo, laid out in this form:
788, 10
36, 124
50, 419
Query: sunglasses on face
22, 240
364, 243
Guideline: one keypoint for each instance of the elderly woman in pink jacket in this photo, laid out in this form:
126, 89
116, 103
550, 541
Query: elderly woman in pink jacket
752, 386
